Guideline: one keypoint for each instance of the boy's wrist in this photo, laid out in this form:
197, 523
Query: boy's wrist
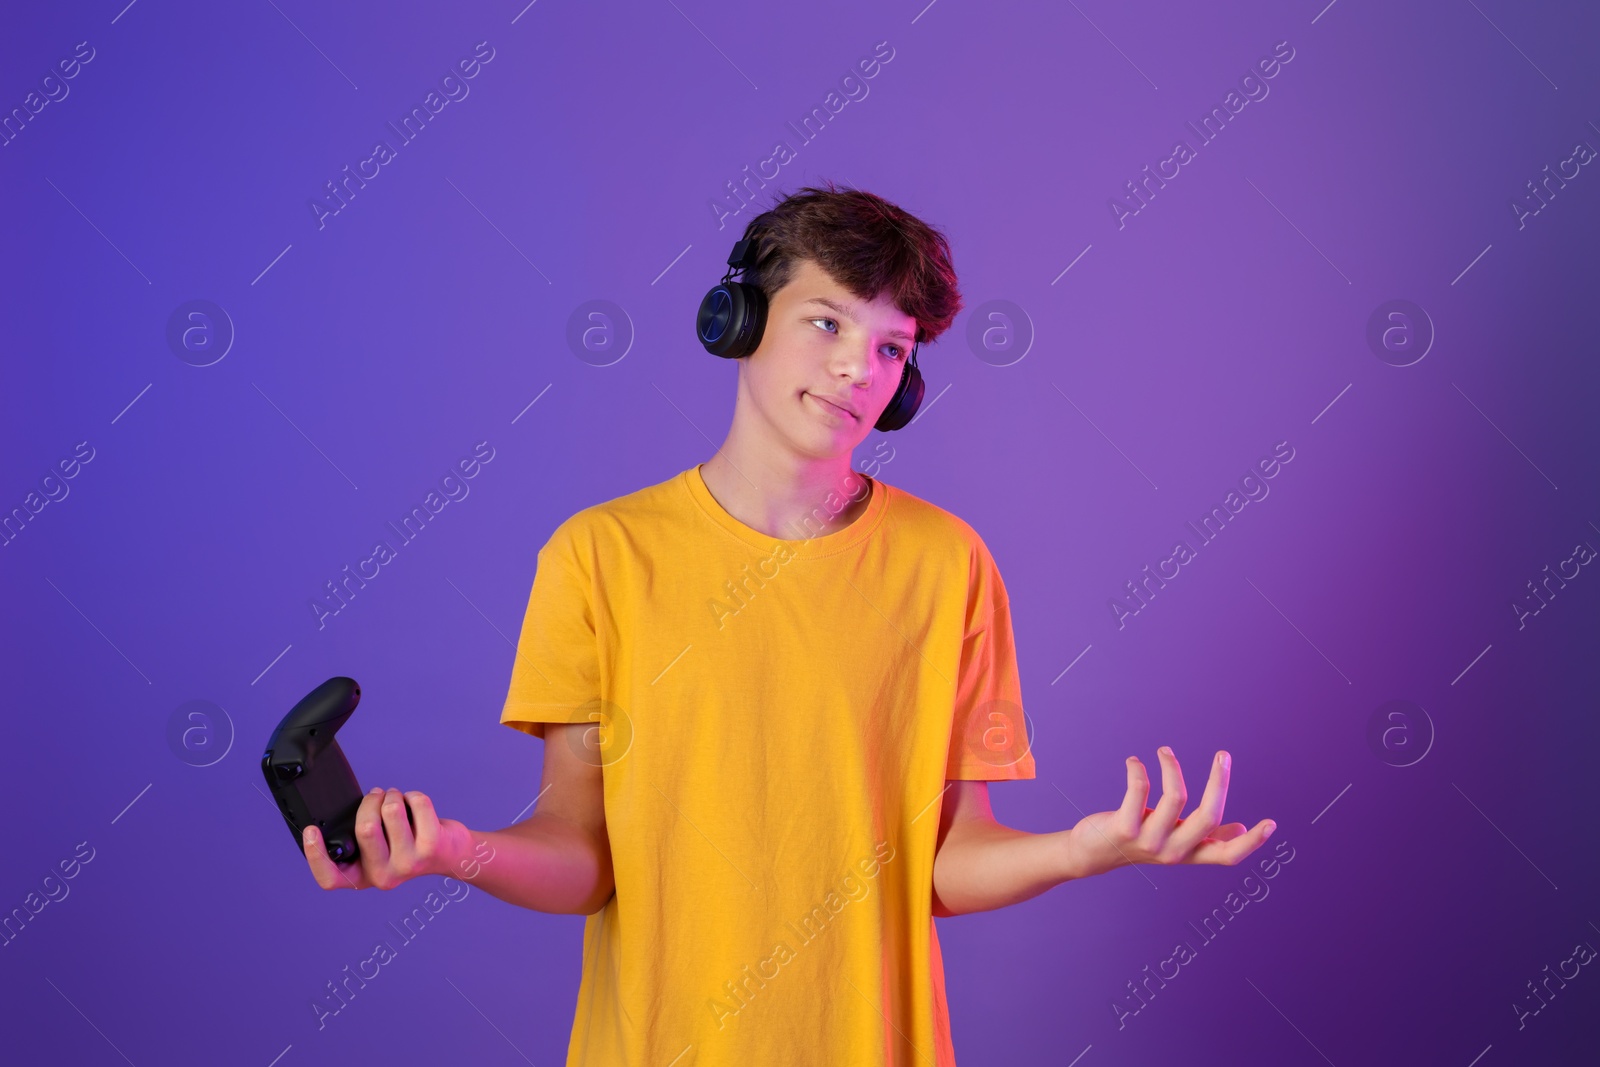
1077, 860
462, 852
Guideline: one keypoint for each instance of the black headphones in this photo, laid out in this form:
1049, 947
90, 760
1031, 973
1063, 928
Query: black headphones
734, 313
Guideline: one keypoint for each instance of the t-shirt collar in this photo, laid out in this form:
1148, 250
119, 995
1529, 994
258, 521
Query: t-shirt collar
823, 544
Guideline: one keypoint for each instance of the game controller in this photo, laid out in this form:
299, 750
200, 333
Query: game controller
308, 773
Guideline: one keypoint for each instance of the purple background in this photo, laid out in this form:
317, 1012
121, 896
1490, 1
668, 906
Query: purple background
433, 309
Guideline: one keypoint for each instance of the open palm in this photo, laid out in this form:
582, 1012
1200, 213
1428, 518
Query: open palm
1134, 833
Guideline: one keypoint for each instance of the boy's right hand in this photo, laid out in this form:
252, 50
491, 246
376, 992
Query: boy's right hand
390, 852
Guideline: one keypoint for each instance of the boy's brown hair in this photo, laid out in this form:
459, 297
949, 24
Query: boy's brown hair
867, 245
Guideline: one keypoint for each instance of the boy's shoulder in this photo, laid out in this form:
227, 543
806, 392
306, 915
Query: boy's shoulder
929, 520
652, 507
933, 528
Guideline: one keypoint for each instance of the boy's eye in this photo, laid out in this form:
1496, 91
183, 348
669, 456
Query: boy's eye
899, 353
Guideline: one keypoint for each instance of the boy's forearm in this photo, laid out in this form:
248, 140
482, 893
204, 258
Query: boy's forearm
982, 865
541, 863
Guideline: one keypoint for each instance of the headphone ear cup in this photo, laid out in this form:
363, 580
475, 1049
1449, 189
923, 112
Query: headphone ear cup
907, 398
731, 319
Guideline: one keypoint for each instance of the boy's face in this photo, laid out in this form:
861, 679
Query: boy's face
823, 345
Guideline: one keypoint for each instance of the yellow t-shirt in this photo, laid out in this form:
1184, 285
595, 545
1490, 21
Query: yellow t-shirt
775, 720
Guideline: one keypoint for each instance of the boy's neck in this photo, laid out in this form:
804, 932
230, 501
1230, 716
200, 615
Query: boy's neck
785, 499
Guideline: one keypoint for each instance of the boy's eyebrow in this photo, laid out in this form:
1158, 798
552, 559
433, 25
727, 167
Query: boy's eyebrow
845, 311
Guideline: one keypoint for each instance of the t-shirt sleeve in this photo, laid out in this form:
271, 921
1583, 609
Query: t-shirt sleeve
990, 739
556, 674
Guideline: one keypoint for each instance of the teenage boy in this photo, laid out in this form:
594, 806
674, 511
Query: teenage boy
772, 691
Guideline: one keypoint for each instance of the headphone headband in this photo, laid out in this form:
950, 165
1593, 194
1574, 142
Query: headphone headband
745, 251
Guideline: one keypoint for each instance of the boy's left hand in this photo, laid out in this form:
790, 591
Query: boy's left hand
1137, 834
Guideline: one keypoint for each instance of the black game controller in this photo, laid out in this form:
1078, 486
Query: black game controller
307, 771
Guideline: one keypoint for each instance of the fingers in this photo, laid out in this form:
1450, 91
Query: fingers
370, 837
1173, 797
1164, 836
397, 826
1130, 816
1207, 817
1227, 831
427, 825
1235, 849
329, 875
316, 858
397, 834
